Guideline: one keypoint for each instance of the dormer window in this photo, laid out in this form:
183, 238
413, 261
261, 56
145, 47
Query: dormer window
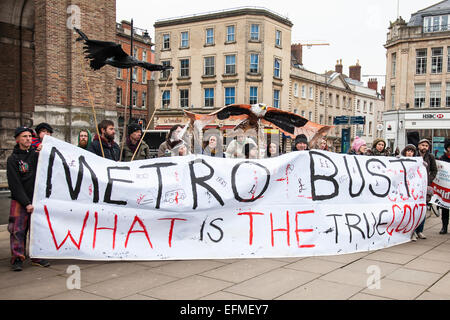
435, 23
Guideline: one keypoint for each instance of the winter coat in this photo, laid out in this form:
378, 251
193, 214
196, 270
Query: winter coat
430, 164
111, 149
128, 151
21, 168
445, 157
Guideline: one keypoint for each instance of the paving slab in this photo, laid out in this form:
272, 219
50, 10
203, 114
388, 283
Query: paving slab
428, 265
182, 269
396, 290
321, 290
414, 276
315, 265
442, 286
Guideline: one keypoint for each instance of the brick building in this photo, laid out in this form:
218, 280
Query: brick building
43, 75
142, 50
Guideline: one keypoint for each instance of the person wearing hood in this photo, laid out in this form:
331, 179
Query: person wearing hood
359, 146
84, 139
173, 139
444, 211
21, 168
301, 143
110, 148
132, 142
409, 151
378, 148
235, 148
42, 129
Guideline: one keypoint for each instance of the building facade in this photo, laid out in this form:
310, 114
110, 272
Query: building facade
237, 56
44, 76
418, 78
139, 91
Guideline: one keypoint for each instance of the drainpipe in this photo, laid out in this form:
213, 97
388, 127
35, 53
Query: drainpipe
21, 63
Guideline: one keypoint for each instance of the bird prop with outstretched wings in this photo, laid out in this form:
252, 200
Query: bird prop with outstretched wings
289, 123
101, 53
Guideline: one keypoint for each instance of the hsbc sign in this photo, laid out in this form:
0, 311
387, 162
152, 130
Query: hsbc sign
433, 115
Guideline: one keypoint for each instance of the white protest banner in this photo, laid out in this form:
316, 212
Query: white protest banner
304, 203
441, 185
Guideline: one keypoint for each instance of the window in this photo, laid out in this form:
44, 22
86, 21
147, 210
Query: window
144, 55
321, 119
254, 63
358, 105
166, 99
254, 32
144, 100
392, 97
338, 101
230, 95
135, 94
393, 64
278, 38
350, 103
166, 41
253, 95
144, 76
419, 95
296, 90
365, 106
330, 120
371, 107
209, 36
184, 68
119, 95
321, 97
370, 128
165, 73
310, 115
184, 98
303, 113
230, 64
184, 39
276, 98
231, 34
447, 95
448, 59
435, 95
421, 61
435, 23
276, 68
344, 102
209, 97
303, 91
311, 93
134, 74
436, 60
119, 73
330, 99
135, 53
209, 66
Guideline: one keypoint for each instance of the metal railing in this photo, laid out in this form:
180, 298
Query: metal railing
223, 11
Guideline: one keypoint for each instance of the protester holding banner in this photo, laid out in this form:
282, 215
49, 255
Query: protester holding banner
444, 211
301, 143
321, 144
84, 139
359, 146
250, 151
236, 147
213, 146
272, 150
171, 141
109, 149
21, 173
42, 129
132, 142
378, 148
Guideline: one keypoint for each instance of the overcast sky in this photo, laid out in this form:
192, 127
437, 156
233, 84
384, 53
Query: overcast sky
355, 29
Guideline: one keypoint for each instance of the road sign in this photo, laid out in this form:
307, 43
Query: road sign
358, 120
341, 120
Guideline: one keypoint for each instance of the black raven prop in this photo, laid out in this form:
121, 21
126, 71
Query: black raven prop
104, 52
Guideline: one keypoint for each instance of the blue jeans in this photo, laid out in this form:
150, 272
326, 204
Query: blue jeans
420, 227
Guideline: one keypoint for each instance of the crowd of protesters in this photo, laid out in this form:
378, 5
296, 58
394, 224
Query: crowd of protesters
22, 164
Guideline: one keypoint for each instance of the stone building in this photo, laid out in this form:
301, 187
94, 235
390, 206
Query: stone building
232, 56
418, 77
42, 71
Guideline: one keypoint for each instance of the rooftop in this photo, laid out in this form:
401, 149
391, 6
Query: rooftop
439, 8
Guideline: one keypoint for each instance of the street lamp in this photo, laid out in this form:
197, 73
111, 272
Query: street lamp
146, 38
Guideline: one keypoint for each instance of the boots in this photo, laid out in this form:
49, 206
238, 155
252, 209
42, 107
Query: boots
444, 221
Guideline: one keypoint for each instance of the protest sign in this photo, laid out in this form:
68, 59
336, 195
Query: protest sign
305, 203
441, 185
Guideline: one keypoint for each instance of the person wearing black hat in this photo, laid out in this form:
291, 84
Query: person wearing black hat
21, 168
132, 142
301, 143
445, 212
42, 129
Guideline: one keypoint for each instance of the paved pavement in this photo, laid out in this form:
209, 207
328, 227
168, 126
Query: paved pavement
410, 271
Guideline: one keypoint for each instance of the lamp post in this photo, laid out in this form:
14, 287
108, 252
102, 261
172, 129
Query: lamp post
146, 38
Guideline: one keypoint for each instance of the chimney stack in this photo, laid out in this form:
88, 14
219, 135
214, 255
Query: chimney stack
355, 71
297, 53
373, 84
338, 67
383, 92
